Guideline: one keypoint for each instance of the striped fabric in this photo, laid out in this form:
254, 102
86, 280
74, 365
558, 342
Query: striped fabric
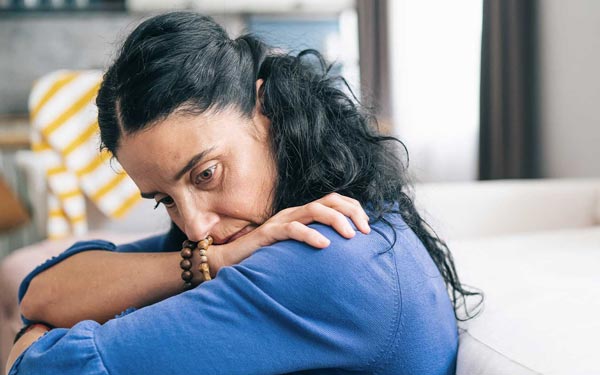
65, 135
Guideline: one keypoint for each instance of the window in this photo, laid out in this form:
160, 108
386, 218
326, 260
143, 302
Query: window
435, 53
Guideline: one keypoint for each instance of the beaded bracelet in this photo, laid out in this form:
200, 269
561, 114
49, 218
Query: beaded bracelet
187, 250
203, 247
186, 263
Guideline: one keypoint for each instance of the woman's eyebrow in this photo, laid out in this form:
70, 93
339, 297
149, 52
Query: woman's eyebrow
193, 161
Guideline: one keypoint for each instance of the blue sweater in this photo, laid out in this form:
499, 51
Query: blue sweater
367, 305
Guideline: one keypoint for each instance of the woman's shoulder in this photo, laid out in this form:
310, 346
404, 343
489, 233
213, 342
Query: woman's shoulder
344, 258
343, 292
357, 292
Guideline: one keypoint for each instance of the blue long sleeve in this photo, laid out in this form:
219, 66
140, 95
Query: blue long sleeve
155, 243
361, 305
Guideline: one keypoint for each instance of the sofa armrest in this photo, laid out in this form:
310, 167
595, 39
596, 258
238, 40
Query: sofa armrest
490, 208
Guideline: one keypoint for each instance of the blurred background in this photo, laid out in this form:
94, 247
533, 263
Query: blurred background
477, 90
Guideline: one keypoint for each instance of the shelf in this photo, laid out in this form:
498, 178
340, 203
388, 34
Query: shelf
14, 132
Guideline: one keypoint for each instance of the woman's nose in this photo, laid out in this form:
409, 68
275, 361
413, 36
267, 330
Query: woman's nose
197, 225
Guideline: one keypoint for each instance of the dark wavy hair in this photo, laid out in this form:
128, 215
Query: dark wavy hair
323, 140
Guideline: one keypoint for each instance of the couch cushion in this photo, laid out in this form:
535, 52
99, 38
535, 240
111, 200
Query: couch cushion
542, 298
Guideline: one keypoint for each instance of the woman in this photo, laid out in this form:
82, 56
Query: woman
247, 147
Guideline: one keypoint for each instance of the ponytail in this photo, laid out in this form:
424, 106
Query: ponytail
324, 142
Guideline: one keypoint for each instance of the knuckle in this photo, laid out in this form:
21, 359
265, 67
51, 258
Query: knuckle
267, 227
355, 202
292, 226
333, 197
313, 207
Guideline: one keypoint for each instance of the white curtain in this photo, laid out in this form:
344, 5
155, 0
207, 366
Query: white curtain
435, 48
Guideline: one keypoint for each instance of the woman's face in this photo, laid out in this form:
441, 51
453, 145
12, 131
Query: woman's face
213, 172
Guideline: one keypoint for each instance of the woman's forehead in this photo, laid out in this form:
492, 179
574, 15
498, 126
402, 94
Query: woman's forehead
171, 144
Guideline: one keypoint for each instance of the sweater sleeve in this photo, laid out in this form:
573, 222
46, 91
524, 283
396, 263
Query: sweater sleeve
286, 308
151, 244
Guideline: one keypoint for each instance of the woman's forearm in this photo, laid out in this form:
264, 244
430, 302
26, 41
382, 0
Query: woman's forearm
97, 285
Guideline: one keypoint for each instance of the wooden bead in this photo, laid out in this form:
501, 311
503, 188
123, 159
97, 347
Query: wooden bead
187, 285
187, 276
210, 240
189, 244
202, 252
185, 264
186, 253
205, 271
204, 259
203, 244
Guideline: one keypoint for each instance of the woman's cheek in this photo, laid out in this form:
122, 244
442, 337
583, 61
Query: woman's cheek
173, 214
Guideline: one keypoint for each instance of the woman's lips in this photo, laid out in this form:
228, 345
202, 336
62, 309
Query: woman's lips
245, 230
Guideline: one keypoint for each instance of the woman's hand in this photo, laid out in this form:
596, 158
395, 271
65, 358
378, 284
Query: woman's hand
291, 223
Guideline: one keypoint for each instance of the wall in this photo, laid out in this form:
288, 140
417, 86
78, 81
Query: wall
34, 44
569, 76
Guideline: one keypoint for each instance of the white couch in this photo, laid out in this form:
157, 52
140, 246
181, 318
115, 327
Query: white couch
532, 246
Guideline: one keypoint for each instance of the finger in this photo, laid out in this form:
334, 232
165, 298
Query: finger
235, 251
300, 232
294, 230
359, 218
329, 216
338, 196
350, 208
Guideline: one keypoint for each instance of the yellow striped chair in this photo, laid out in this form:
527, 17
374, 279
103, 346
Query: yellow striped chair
65, 136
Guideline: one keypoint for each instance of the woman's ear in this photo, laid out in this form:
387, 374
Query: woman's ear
259, 83
260, 120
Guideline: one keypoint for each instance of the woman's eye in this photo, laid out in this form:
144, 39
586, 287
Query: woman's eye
167, 201
205, 176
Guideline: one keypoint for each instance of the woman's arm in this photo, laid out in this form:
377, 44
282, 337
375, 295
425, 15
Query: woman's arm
97, 285
287, 308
